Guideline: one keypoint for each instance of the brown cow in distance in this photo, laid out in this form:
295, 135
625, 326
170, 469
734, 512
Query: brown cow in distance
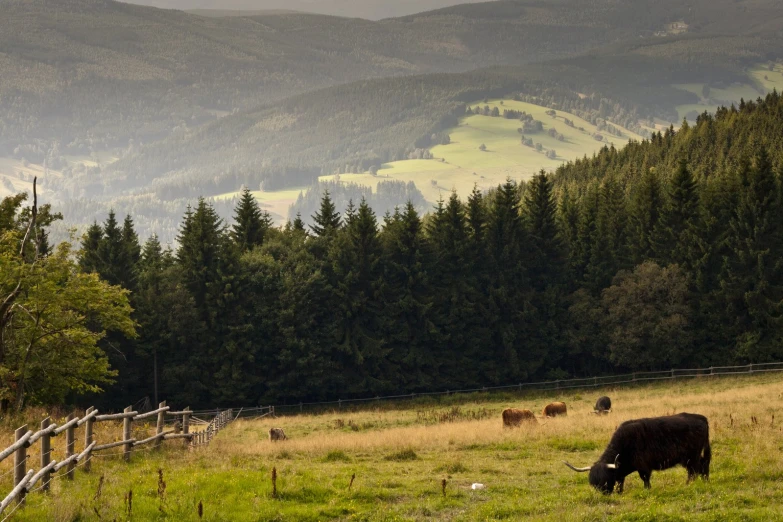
514, 417
277, 434
554, 409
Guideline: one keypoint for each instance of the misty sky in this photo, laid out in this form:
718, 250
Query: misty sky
371, 9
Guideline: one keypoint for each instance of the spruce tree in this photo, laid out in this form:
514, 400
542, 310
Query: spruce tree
752, 282
299, 225
568, 217
547, 259
407, 299
327, 219
130, 256
645, 212
609, 252
250, 223
357, 272
587, 230
111, 251
678, 222
508, 288
456, 277
89, 257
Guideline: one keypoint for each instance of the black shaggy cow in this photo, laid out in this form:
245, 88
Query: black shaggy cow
647, 445
603, 405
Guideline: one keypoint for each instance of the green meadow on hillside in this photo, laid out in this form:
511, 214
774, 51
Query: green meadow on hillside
400, 454
760, 81
462, 164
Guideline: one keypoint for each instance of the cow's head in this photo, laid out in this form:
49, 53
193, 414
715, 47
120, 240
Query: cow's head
603, 476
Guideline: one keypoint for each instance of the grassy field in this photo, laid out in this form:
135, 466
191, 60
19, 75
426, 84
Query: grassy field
760, 81
400, 456
275, 202
461, 165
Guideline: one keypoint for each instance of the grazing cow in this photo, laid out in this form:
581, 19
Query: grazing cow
514, 417
277, 434
657, 443
555, 409
603, 405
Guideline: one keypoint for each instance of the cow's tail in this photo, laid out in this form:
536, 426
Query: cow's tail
705, 461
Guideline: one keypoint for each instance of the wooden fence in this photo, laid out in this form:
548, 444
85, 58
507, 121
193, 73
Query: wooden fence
25, 481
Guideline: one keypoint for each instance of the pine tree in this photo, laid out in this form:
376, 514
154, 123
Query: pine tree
645, 211
299, 225
89, 258
111, 251
547, 259
208, 263
250, 223
407, 300
476, 215
587, 230
678, 221
457, 279
508, 292
130, 256
327, 219
204, 256
568, 217
753, 271
609, 252
356, 270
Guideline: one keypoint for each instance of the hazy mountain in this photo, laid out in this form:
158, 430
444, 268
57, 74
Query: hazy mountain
96, 74
195, 105
369, 9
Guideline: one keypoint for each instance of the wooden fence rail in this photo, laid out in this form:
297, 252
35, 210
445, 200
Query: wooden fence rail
25, 480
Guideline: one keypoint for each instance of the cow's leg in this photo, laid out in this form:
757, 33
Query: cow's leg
645, 476
620, 484
693, 465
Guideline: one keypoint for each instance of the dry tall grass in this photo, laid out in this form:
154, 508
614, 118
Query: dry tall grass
720, 400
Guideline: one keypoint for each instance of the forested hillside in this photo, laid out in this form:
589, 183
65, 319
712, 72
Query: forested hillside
97, 73
666, 253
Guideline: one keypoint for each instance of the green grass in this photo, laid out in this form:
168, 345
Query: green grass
275, 202
399, 464
461, 165
760, 81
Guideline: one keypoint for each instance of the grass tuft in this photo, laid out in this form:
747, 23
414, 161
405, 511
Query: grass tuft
336, 456
402, 456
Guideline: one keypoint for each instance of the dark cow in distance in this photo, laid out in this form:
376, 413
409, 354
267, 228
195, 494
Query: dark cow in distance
277, 434
554, 409
647, 445
603, 405
514, 417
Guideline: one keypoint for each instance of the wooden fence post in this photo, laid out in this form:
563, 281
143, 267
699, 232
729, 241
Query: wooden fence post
88, 439
46, 453
186, 420
70, 440
126, 435
20, 462
186, 425
161, 423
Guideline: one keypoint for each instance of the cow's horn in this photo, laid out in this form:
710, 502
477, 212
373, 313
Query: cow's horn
580, 470
614, 466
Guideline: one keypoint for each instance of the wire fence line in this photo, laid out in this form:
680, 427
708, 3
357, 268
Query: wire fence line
562, 384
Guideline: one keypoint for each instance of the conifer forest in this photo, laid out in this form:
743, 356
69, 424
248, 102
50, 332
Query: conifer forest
666, 253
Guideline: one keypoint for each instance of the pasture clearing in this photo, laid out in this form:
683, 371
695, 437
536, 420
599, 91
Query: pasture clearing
461, 165
275, 202
760, 82
400, 453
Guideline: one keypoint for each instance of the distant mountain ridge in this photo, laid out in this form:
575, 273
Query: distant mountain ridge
367, 9
198, 105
